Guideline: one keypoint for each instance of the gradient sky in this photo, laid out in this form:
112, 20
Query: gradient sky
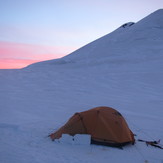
37, 30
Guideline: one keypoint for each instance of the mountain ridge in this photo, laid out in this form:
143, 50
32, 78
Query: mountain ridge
132, 39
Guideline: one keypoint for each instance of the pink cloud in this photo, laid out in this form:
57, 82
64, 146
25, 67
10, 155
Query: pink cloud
15, 63
17, 55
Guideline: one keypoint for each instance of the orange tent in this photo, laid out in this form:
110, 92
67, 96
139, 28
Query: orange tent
105, 125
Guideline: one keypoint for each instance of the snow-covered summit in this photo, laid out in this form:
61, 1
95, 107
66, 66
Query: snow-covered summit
135, 41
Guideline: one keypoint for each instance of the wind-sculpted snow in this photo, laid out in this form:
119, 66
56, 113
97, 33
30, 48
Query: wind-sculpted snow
123, 70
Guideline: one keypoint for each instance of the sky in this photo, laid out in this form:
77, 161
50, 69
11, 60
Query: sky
37, 30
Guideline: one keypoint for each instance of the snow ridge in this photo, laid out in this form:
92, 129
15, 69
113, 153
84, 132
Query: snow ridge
132, 40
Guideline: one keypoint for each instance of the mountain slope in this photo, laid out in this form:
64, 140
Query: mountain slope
139, 41
136, 39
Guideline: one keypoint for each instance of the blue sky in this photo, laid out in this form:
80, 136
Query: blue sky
49, 29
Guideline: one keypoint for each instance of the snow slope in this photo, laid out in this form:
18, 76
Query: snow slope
123, 69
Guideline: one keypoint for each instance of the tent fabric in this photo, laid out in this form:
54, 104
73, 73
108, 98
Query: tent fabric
105, 125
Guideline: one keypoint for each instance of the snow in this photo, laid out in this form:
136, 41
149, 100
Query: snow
123, 70
78, 139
